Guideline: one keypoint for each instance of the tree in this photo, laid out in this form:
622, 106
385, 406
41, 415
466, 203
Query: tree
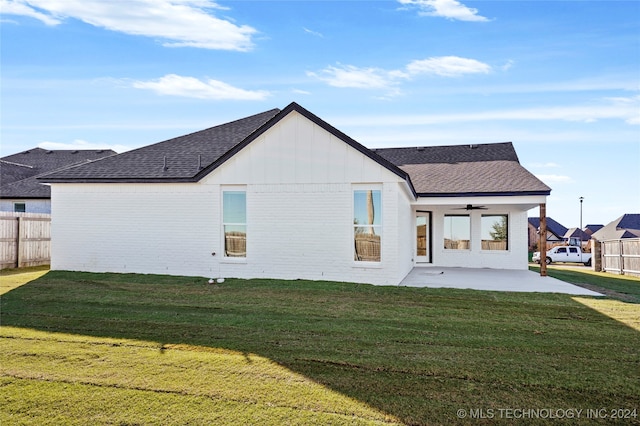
499, 232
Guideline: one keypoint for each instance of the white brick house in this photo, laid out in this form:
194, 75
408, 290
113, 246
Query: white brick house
283, 194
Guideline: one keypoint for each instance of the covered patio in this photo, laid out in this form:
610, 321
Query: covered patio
490, 280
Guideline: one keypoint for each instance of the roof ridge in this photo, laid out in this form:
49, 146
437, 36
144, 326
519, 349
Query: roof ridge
16, 164
445, 146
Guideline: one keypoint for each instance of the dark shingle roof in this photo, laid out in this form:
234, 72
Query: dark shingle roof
454, 170
177, 160
19, 172
486, 169
577, 233
629, 221
626, 226
11, 172
450, 154
552, 226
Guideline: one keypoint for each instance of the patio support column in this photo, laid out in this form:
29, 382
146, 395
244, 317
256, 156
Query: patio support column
542, 246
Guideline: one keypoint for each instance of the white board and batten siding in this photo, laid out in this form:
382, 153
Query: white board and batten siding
299, 180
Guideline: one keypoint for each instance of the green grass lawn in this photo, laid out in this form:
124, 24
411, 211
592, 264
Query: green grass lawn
80, 348
621, 287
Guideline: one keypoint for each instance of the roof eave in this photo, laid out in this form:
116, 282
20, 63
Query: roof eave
122, 180
483, 194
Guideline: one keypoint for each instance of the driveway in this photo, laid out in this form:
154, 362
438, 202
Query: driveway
490, 279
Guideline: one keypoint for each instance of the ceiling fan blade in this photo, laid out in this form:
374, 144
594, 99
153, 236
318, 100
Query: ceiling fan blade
471, 207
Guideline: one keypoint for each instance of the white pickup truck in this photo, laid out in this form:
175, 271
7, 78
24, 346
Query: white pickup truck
565, 254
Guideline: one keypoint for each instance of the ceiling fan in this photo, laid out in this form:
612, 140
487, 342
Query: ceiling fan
472, 207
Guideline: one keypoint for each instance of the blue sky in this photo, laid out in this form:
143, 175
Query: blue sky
560, 79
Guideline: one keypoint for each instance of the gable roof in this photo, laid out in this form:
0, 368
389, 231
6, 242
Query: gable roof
458, 170
191, 157
462, 170
552, 226
626, 226
19, 172
577, 233
590, 229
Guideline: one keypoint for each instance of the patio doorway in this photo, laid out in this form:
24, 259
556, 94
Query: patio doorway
423, 237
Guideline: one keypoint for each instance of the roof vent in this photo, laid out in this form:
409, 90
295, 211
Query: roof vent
420, 148
473, 146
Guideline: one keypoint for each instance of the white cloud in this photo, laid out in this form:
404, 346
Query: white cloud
190, 87
450, 9
448, 66
300, 92
80, 144
315, 33
351, 76
377, 78
632, 104
177, 22
507, 66
17, 7
626, 111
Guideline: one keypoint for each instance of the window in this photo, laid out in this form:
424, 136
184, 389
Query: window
457, 232
573, 250
562, 250
367, 225
495, 232
19, 207
234, 223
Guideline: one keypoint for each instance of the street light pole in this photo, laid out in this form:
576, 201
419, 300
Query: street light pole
581, 200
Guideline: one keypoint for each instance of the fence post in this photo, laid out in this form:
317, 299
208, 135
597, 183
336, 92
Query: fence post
543, 239
19, 243
621, 257
596, 255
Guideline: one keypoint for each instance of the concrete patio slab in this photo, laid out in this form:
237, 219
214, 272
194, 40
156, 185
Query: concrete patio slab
490, 279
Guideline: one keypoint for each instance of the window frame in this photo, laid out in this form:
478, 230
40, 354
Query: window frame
482, 240
224, 224
444, 232
369, 246
20, 203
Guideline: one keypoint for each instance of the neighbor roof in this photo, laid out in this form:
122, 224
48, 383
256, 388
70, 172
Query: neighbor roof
486, 169
577, 233
19, 172
552, 226
626, 226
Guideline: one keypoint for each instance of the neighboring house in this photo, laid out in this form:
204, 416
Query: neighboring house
20, 191
285, 195
590, 229
555, 233
626, 226
577, 237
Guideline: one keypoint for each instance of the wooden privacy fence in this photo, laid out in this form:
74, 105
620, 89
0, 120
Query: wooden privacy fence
621, 256
25, 239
